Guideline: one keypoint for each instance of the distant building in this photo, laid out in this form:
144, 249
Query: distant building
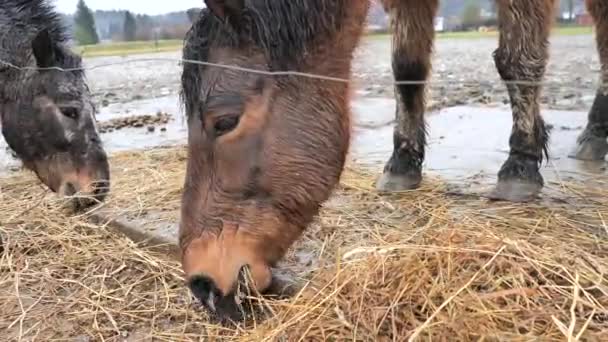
376, 28
452, 23
485, 14
580, 16
584, 19
439, 24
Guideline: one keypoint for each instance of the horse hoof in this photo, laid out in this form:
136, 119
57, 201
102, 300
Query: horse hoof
390, 182
591, 148
515, 191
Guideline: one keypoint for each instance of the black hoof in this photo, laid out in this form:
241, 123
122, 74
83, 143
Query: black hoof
390, 182
402, 172
590, 147
515, 191
519, 180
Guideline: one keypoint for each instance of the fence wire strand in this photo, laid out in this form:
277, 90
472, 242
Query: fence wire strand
283, 73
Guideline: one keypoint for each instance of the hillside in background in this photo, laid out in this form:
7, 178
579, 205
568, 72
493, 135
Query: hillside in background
166, 26
455, 7
174, 25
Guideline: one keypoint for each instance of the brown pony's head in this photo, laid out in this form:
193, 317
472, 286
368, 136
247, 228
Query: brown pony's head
265, 151
48, 119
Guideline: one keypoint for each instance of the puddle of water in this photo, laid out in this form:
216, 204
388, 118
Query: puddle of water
468, 141
373, 112
7, 162
168, 104
463, 141
139, 138
127, 138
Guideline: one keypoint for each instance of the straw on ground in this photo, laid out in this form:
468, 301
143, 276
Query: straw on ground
418, 265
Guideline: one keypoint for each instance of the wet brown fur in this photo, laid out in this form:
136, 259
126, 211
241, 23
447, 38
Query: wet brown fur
414, 33
599, 11
591, 143
251, 192
521, 56
48, 116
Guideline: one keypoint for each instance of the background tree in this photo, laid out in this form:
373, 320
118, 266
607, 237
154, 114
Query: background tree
130, 27
193, 13
493, 8
471, 14
85, 31
145, 27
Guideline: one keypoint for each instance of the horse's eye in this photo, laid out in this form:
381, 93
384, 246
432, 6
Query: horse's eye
70, 112
225, 124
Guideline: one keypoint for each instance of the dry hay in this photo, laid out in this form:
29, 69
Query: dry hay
378, 267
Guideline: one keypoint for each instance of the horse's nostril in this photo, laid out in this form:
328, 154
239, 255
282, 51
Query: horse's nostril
204, 290
101, 190
69, 189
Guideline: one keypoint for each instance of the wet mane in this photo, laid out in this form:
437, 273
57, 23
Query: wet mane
27, 18
283, 30
20, 22
38, 13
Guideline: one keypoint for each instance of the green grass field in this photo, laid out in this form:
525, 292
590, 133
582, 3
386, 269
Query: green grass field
128, 48
139, 47
560, 31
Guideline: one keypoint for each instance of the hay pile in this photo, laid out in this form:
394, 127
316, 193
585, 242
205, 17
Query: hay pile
423, 264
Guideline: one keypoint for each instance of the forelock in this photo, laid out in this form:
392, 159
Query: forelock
283, 30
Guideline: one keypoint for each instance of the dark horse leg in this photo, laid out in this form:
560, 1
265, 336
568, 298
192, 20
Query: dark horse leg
522, 55
591, 144
413, 35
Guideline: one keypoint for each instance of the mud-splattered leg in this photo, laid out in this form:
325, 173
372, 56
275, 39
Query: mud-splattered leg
522, 55
592, 144
413, 35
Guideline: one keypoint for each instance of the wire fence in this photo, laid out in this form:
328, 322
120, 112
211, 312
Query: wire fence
381, 155
543, 83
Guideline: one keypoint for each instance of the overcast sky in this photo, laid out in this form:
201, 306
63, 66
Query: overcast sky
138, 6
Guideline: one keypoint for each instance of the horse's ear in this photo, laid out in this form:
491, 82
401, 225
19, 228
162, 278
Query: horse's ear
227, 10
43, 49
193, 13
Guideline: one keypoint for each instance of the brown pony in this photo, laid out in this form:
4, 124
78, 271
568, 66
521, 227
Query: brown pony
47, 115
520, 59
265, 151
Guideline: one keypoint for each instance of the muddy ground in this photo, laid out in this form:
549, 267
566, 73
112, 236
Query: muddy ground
572, 74
467, 142
460, 115
132, 91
